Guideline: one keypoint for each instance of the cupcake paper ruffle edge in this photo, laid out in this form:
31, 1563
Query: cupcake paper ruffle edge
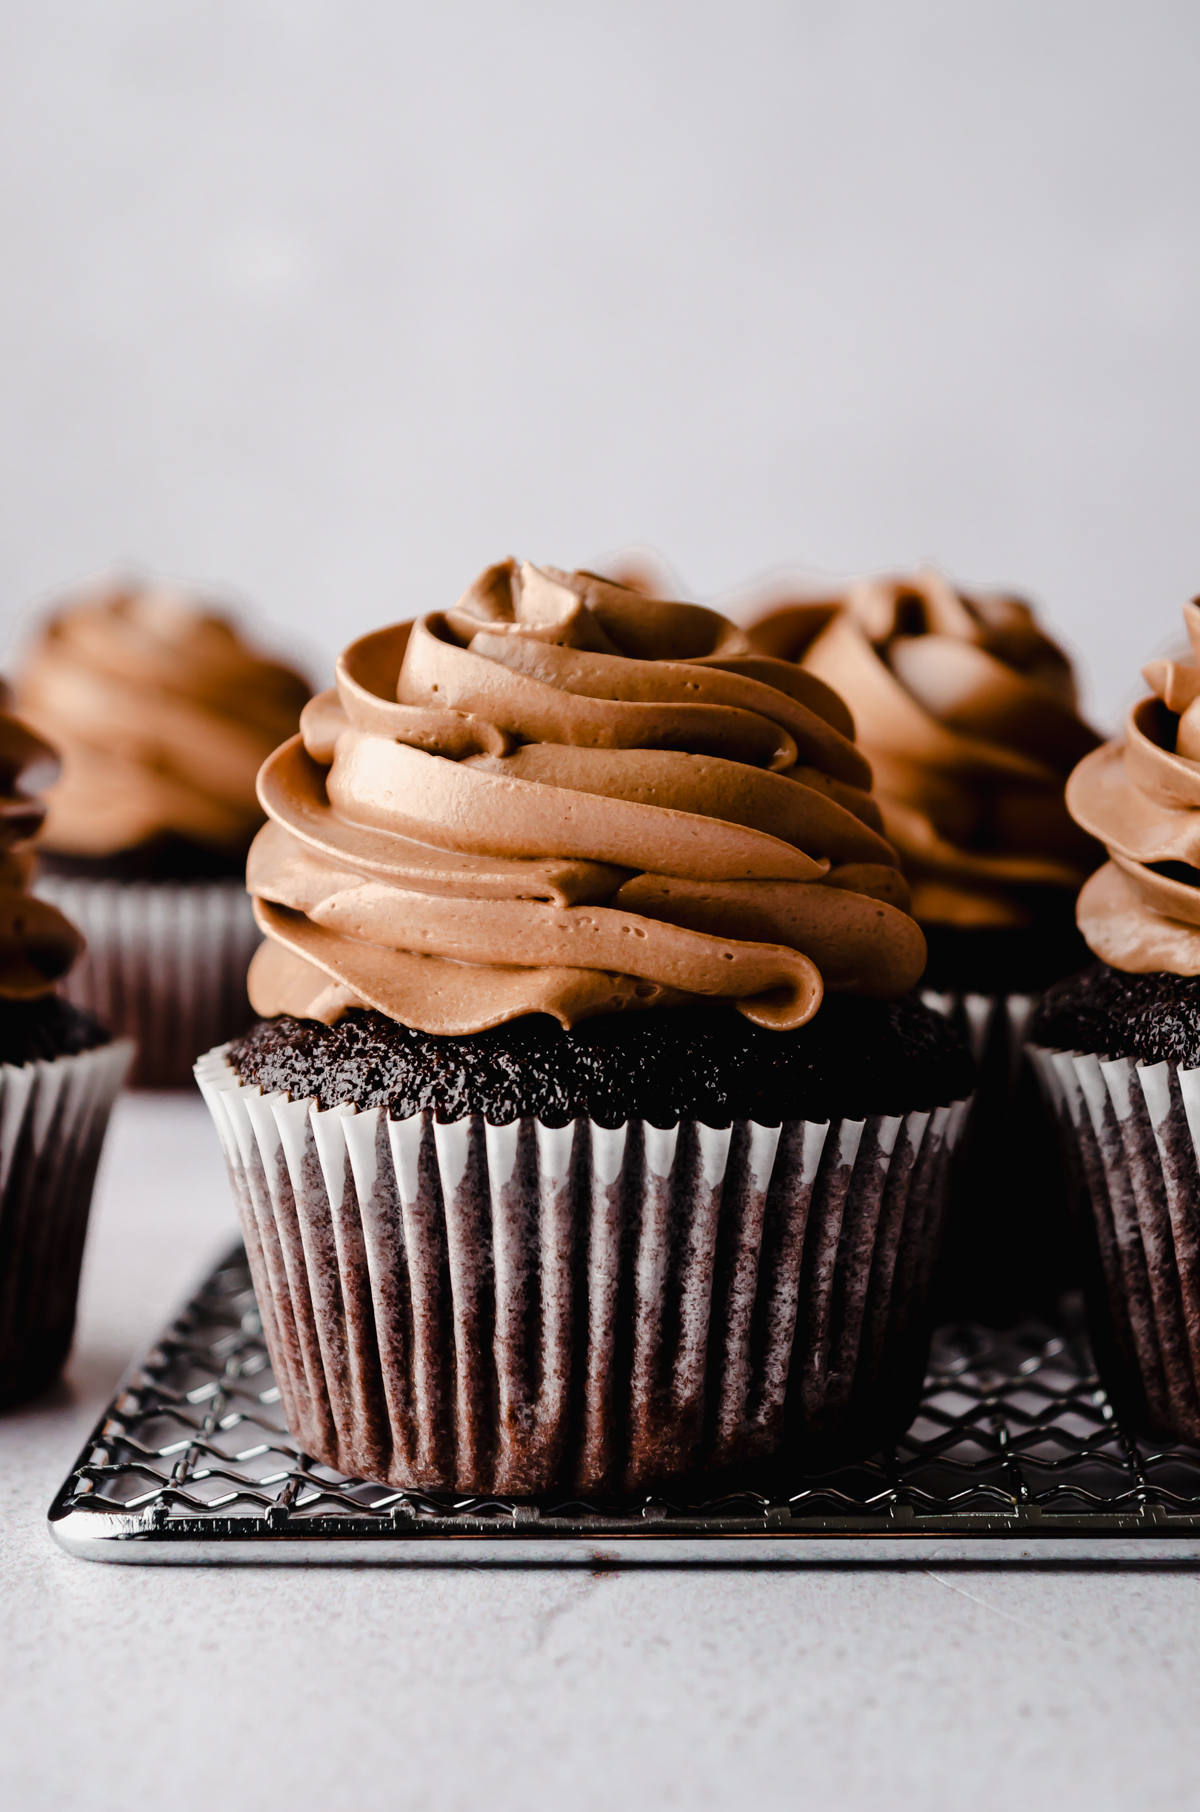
53, 1117
165, 965
524, 1308
1130, 1133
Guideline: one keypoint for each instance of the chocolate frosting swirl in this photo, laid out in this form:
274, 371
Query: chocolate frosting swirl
1141, 798
37, 944
163, 717
968, 714
563, 797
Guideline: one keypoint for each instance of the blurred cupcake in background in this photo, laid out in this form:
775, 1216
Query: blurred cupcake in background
59, 1075
967, 712
163, 715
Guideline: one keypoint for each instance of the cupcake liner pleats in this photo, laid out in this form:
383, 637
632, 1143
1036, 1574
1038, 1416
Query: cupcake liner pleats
993, 1026
53, 1116
525, 1308
1131, 1138
165, 965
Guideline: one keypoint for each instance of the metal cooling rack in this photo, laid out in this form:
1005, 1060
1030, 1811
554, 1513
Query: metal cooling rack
1016, 1454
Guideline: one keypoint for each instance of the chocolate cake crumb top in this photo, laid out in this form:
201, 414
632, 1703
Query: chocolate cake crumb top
1153, 1017
46, 1028
165, 858
857, 1057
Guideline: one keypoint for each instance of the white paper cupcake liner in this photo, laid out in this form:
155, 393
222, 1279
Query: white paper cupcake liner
53, 1116
1131, 1136
165, 965
992, 1025
522, 1308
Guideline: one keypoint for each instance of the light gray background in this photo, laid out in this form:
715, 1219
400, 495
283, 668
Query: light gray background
329, 302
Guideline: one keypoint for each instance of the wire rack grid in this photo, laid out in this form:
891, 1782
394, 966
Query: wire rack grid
1015, 1454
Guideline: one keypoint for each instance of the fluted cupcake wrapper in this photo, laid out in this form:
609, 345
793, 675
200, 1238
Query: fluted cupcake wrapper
522, 1308
1131, 1137
165, 965
992, 1025
53, 1116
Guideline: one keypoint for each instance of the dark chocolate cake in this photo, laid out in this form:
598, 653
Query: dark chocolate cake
166, 858
47, 1027
1152, 1017
1006, 960
857, 1057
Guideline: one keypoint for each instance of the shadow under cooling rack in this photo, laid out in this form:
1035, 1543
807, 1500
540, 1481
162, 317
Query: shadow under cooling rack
1016, 1455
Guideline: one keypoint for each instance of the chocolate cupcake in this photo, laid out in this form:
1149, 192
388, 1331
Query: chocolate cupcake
163, 716
59, 1074
556, 1173
967, 713
1118, 1051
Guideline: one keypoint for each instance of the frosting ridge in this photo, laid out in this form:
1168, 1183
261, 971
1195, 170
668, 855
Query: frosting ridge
1141, 798
561, 796
967, 712
162, 715
37, 944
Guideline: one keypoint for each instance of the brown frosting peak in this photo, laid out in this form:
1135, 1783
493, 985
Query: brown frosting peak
163, 716
564, 797
967, 712
1141, 798
37, 944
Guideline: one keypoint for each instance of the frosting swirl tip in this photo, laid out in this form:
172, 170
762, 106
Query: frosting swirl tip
563, 796
1141, 798
37, 944
162, 714
967, 712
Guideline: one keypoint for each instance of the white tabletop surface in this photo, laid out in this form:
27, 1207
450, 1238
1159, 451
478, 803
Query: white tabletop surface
210, 1689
